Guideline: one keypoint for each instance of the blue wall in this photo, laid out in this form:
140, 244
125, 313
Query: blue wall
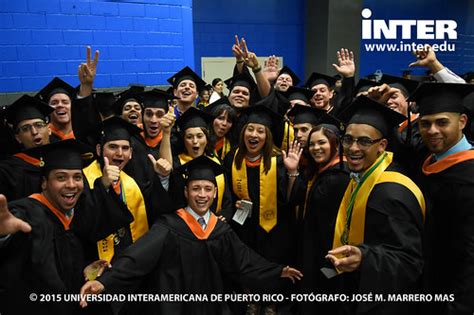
140, 41
460, 61
269, 27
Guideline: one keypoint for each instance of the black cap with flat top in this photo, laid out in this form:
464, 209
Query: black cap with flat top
241, 79
201, 168
66, 154
27, 107
55, 86
187, 74
194, 118
156, 99
364, 110
116, 128
305, 114
407, 86
432, 98
296, 93
319, 78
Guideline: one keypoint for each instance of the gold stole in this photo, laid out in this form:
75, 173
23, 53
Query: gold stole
350, 222
133, 199
220, 180
288, 137
267, 193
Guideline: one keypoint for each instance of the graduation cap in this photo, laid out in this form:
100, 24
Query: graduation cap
187, 74
330, 122
242, 79
296, 93
290, 72
193, 118
201, 168
318, 78
116, 128
364, 110
433, 97
406, 86
66, 154
260, 114
55, 86
364, 85
156, 99
133, 89
305, 114
104, 101
27, 107
212, 108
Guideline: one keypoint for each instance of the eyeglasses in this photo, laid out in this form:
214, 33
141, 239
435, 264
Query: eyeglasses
363, 142
27, 128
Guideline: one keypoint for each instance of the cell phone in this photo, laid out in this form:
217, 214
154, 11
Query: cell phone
247, 206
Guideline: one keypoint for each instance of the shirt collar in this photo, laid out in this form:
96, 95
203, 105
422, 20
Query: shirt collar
196, 216
462, 145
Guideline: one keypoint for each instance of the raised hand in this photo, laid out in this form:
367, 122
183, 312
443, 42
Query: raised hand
291, 273
425, 57
346, 64
110, 173
10, 224
250, 58
270, 68
381, 93
292, 159
88, 70
346, 258
168, 120
90, 287
237, 50
161, 166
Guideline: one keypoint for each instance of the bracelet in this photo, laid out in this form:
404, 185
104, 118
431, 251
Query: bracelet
293, 175
239, 61
257, 70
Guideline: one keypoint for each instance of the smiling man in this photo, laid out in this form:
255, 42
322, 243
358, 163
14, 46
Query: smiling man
139, 205
20, 174
186, 87
192, 251
59, 95
42, 253
378, 227
449, 182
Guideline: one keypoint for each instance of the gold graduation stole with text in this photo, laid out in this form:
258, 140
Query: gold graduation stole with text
133, 199
350, 222
267, 193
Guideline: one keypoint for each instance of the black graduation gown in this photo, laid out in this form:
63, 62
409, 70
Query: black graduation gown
181, 263
251, 233
317, 235
19, 179
140, 167
392, 259
450, 237
49, 259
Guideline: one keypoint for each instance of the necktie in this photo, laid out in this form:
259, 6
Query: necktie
202, 222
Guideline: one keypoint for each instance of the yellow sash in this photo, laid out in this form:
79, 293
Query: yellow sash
288, 137
353, 205
268, 191
132, 197
225, 148
220, 180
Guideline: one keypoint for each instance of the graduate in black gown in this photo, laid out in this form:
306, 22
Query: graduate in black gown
194, 135
448, 181
321, 193
40, 251
20, 174
377, 245
192, 251
258, 174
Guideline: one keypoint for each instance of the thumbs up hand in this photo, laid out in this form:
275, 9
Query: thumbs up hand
110, 173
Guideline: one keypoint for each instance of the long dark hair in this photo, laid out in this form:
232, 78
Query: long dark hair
208, 150
268, 150
333, 139
220, 109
